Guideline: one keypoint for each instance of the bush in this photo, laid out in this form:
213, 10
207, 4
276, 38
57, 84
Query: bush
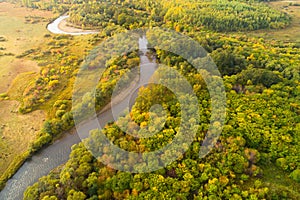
295, 175
39, 143
258, 76
282, 163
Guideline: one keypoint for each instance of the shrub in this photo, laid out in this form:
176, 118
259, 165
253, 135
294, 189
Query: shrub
295, 175
282, 163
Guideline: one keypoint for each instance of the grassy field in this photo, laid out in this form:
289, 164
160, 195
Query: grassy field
289, 34
18, 35
13, 67
21, 29
16, 131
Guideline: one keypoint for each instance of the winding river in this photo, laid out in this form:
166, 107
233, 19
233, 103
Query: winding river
58, 153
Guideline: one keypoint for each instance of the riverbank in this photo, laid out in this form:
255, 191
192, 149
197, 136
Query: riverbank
65, 26
61, 26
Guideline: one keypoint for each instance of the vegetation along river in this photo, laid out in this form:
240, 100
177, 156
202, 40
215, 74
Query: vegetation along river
58, 153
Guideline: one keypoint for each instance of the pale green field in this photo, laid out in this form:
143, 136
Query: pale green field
289, 34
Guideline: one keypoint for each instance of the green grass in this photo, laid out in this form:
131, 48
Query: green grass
278, 182
19, 84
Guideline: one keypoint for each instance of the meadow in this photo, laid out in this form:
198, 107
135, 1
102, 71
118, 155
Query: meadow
21, 29
18, 34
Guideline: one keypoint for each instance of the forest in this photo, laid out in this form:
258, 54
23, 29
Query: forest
217, 15
261, 130
257, 156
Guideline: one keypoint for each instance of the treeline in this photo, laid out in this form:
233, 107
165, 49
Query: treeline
223, 15
102, 14
217, 15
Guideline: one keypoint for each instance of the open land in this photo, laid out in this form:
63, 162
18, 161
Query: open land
21, 29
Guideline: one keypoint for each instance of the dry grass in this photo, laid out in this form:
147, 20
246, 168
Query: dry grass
12, 68
20, 36
16, 131
14, 10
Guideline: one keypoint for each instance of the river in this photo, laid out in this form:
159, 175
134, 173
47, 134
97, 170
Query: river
58, 153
